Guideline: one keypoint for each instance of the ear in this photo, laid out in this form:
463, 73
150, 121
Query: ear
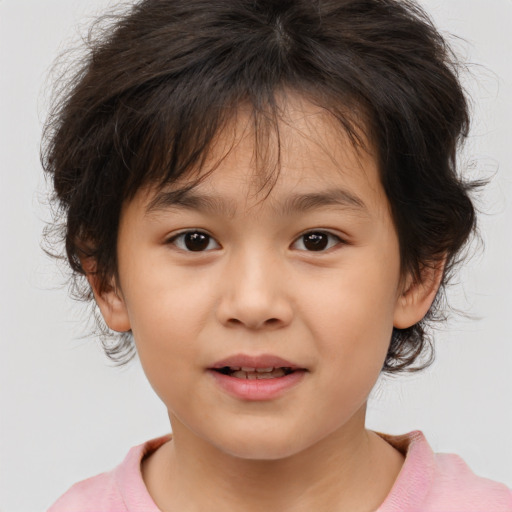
417, 295
109, 299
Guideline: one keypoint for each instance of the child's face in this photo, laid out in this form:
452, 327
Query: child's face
255, 287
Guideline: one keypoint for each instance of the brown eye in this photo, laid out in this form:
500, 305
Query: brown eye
316, 241
194, 241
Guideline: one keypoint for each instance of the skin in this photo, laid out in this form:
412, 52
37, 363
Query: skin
257, 289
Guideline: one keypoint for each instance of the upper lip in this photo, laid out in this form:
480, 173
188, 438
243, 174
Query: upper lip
260, 361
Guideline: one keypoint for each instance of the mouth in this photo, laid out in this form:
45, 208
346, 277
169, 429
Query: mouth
257, 378
264, 366
250, 373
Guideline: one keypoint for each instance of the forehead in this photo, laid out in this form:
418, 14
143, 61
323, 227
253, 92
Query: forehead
303, 157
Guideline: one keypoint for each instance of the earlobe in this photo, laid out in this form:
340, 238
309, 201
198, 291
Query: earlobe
109, 299
417, 296
113, 309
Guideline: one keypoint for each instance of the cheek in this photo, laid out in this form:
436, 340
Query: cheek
165, 298
167, 313
352, 326
350, 312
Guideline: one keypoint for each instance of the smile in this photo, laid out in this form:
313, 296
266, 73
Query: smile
256, 378
255, 373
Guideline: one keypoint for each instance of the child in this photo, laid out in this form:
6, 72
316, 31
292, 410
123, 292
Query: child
264, 200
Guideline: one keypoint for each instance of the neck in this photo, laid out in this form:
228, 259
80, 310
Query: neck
351, 469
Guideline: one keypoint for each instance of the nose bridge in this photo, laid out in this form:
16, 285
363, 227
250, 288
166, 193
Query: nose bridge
255, 292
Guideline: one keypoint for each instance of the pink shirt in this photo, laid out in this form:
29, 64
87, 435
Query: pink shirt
427, 482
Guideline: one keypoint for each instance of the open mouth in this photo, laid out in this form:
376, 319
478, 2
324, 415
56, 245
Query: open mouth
256, 378
242, 372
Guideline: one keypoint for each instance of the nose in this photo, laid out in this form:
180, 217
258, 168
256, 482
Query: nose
256, 293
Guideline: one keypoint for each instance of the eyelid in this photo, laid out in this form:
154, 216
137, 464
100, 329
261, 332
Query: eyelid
340, 240
171, 240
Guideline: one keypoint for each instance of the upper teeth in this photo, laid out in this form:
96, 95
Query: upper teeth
259, 370
258, 373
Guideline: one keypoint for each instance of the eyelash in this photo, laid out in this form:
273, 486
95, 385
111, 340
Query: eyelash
320, 232
181, 236
179, 240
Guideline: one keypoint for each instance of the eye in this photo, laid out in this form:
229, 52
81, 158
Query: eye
316, 241
194, 241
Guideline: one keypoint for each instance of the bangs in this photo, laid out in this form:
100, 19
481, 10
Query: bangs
168, 146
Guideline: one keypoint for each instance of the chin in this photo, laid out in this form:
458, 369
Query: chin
262, 446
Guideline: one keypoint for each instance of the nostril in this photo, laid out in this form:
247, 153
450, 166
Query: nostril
269, 322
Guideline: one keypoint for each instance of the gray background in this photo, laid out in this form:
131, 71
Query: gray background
65, 414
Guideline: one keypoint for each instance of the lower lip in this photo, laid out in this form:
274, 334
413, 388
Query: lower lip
258, 389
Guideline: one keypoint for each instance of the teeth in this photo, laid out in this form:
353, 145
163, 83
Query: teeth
261, 373
278, 372
259, 370
272, 375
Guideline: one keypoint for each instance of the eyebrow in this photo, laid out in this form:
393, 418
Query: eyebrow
191, 199
331, 197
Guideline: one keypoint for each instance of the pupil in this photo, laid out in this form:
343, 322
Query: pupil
196, 241
315, 241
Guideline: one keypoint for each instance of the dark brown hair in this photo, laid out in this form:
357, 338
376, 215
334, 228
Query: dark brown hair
161, 80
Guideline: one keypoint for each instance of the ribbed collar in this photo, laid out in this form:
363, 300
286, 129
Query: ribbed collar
408, 492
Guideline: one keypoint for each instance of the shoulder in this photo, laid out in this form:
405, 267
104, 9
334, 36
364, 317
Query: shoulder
430, 482
119, 490
96, 493
455, 481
